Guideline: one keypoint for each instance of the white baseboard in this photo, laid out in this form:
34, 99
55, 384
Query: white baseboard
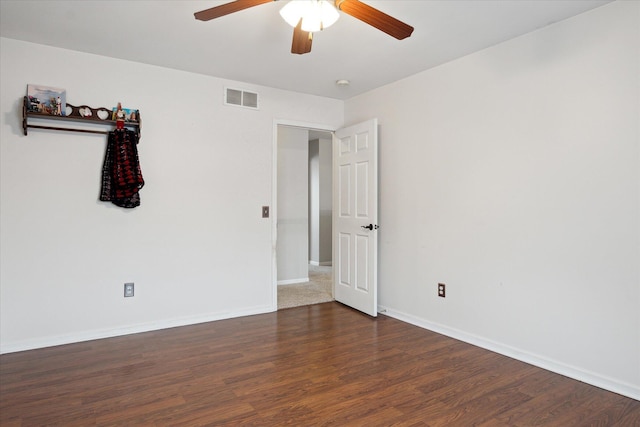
142, 327
293, 281
591, 378
321, 263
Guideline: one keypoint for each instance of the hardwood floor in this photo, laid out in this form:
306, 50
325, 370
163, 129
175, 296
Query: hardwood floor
315, 365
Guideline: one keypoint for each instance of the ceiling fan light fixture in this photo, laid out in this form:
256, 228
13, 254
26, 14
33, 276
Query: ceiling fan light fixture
316, 15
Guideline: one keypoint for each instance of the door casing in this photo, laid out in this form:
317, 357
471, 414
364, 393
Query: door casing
274, 195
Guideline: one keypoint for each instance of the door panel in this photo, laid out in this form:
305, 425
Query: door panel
344, 188
356, 198
362, 263
344, 264
362, 188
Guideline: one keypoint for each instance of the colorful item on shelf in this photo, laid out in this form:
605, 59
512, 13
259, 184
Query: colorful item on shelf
47, 100
125, 114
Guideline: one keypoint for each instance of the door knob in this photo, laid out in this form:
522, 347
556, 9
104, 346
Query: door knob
370, 227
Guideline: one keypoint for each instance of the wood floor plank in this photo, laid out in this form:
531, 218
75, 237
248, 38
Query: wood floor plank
316, 365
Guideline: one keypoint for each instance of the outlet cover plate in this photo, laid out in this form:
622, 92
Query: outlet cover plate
128, 290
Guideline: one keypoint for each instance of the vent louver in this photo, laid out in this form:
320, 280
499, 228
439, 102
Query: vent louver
241, 98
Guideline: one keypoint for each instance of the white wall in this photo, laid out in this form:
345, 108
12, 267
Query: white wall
326, 200
513, 176
197, 247
320, 201
293, 205
314, 202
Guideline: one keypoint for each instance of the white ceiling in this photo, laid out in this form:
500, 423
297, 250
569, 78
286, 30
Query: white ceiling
253, 45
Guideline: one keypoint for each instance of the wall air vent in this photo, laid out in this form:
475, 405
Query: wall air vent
241, 98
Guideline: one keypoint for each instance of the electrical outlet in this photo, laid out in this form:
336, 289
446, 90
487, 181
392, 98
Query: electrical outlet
128, 290
441, 290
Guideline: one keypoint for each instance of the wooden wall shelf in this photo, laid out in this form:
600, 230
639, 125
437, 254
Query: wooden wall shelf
99, 117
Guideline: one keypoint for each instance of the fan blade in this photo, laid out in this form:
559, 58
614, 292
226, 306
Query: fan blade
375, 18
302, 40
227, 8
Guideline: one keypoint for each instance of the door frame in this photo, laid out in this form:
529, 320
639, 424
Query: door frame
274, 196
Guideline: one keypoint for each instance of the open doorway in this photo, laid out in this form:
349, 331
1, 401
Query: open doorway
304, 215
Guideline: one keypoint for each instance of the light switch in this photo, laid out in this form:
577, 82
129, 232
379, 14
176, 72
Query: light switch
265, 212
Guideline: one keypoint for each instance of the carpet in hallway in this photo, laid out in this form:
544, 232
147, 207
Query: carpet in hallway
315, 291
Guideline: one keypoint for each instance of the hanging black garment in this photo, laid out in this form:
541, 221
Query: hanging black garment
121, 174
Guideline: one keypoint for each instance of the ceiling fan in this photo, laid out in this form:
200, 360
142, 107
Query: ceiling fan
308, 16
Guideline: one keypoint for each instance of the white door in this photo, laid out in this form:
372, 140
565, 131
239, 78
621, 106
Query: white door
355, 216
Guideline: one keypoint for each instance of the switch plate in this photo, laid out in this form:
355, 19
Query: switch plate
265, 212
128, 290
441, 290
